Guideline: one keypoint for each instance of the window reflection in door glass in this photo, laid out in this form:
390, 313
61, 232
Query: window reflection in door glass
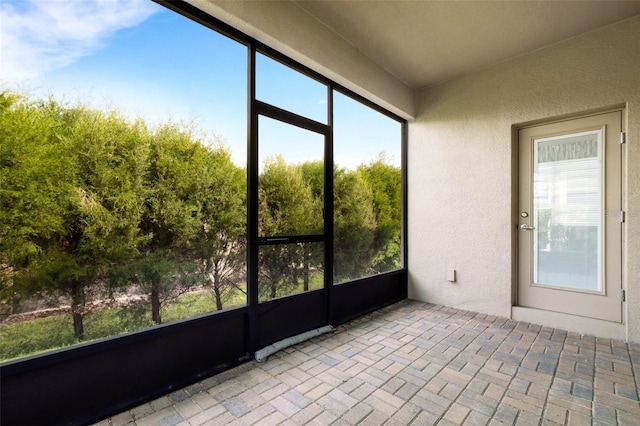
567, 212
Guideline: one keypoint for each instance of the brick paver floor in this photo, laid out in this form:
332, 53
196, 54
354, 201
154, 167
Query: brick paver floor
419, 364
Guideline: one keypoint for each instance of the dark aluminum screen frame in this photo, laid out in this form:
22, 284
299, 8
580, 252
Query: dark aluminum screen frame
95, 380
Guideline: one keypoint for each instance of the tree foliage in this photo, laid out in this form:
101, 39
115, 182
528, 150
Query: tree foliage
70, 197
91, 201
385, 182
93, 204
287, 206
354, 225
220, 244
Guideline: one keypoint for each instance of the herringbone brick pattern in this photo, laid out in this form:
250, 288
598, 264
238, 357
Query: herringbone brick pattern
420, 364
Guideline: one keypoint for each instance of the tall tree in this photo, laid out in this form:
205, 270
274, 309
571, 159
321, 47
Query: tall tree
385, 181
313, 257
287, 207
172, 215
219, 246
36, 180
354, 225
71, 196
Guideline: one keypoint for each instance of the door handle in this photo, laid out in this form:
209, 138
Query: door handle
526, 227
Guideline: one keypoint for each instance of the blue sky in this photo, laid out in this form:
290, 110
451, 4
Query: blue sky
147, 61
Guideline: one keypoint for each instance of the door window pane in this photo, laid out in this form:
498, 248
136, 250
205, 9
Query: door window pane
367, 191
568, 211
281, 86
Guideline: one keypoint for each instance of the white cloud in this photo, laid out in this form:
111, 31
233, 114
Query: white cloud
37, 36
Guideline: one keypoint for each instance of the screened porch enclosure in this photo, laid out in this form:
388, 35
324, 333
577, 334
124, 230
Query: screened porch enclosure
295, 230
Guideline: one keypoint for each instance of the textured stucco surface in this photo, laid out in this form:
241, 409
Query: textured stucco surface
292, 31
460, 211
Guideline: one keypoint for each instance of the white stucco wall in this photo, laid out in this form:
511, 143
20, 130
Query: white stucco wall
460, 164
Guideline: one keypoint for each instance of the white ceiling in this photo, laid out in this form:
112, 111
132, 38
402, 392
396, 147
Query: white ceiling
423, 43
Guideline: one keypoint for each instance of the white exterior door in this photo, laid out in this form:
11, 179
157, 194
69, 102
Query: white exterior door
570, 217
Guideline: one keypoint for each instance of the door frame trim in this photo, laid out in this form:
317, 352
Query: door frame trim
569, 322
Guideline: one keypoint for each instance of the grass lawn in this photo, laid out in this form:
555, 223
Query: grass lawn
54, 332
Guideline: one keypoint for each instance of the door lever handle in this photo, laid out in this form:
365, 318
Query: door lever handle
526, 227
